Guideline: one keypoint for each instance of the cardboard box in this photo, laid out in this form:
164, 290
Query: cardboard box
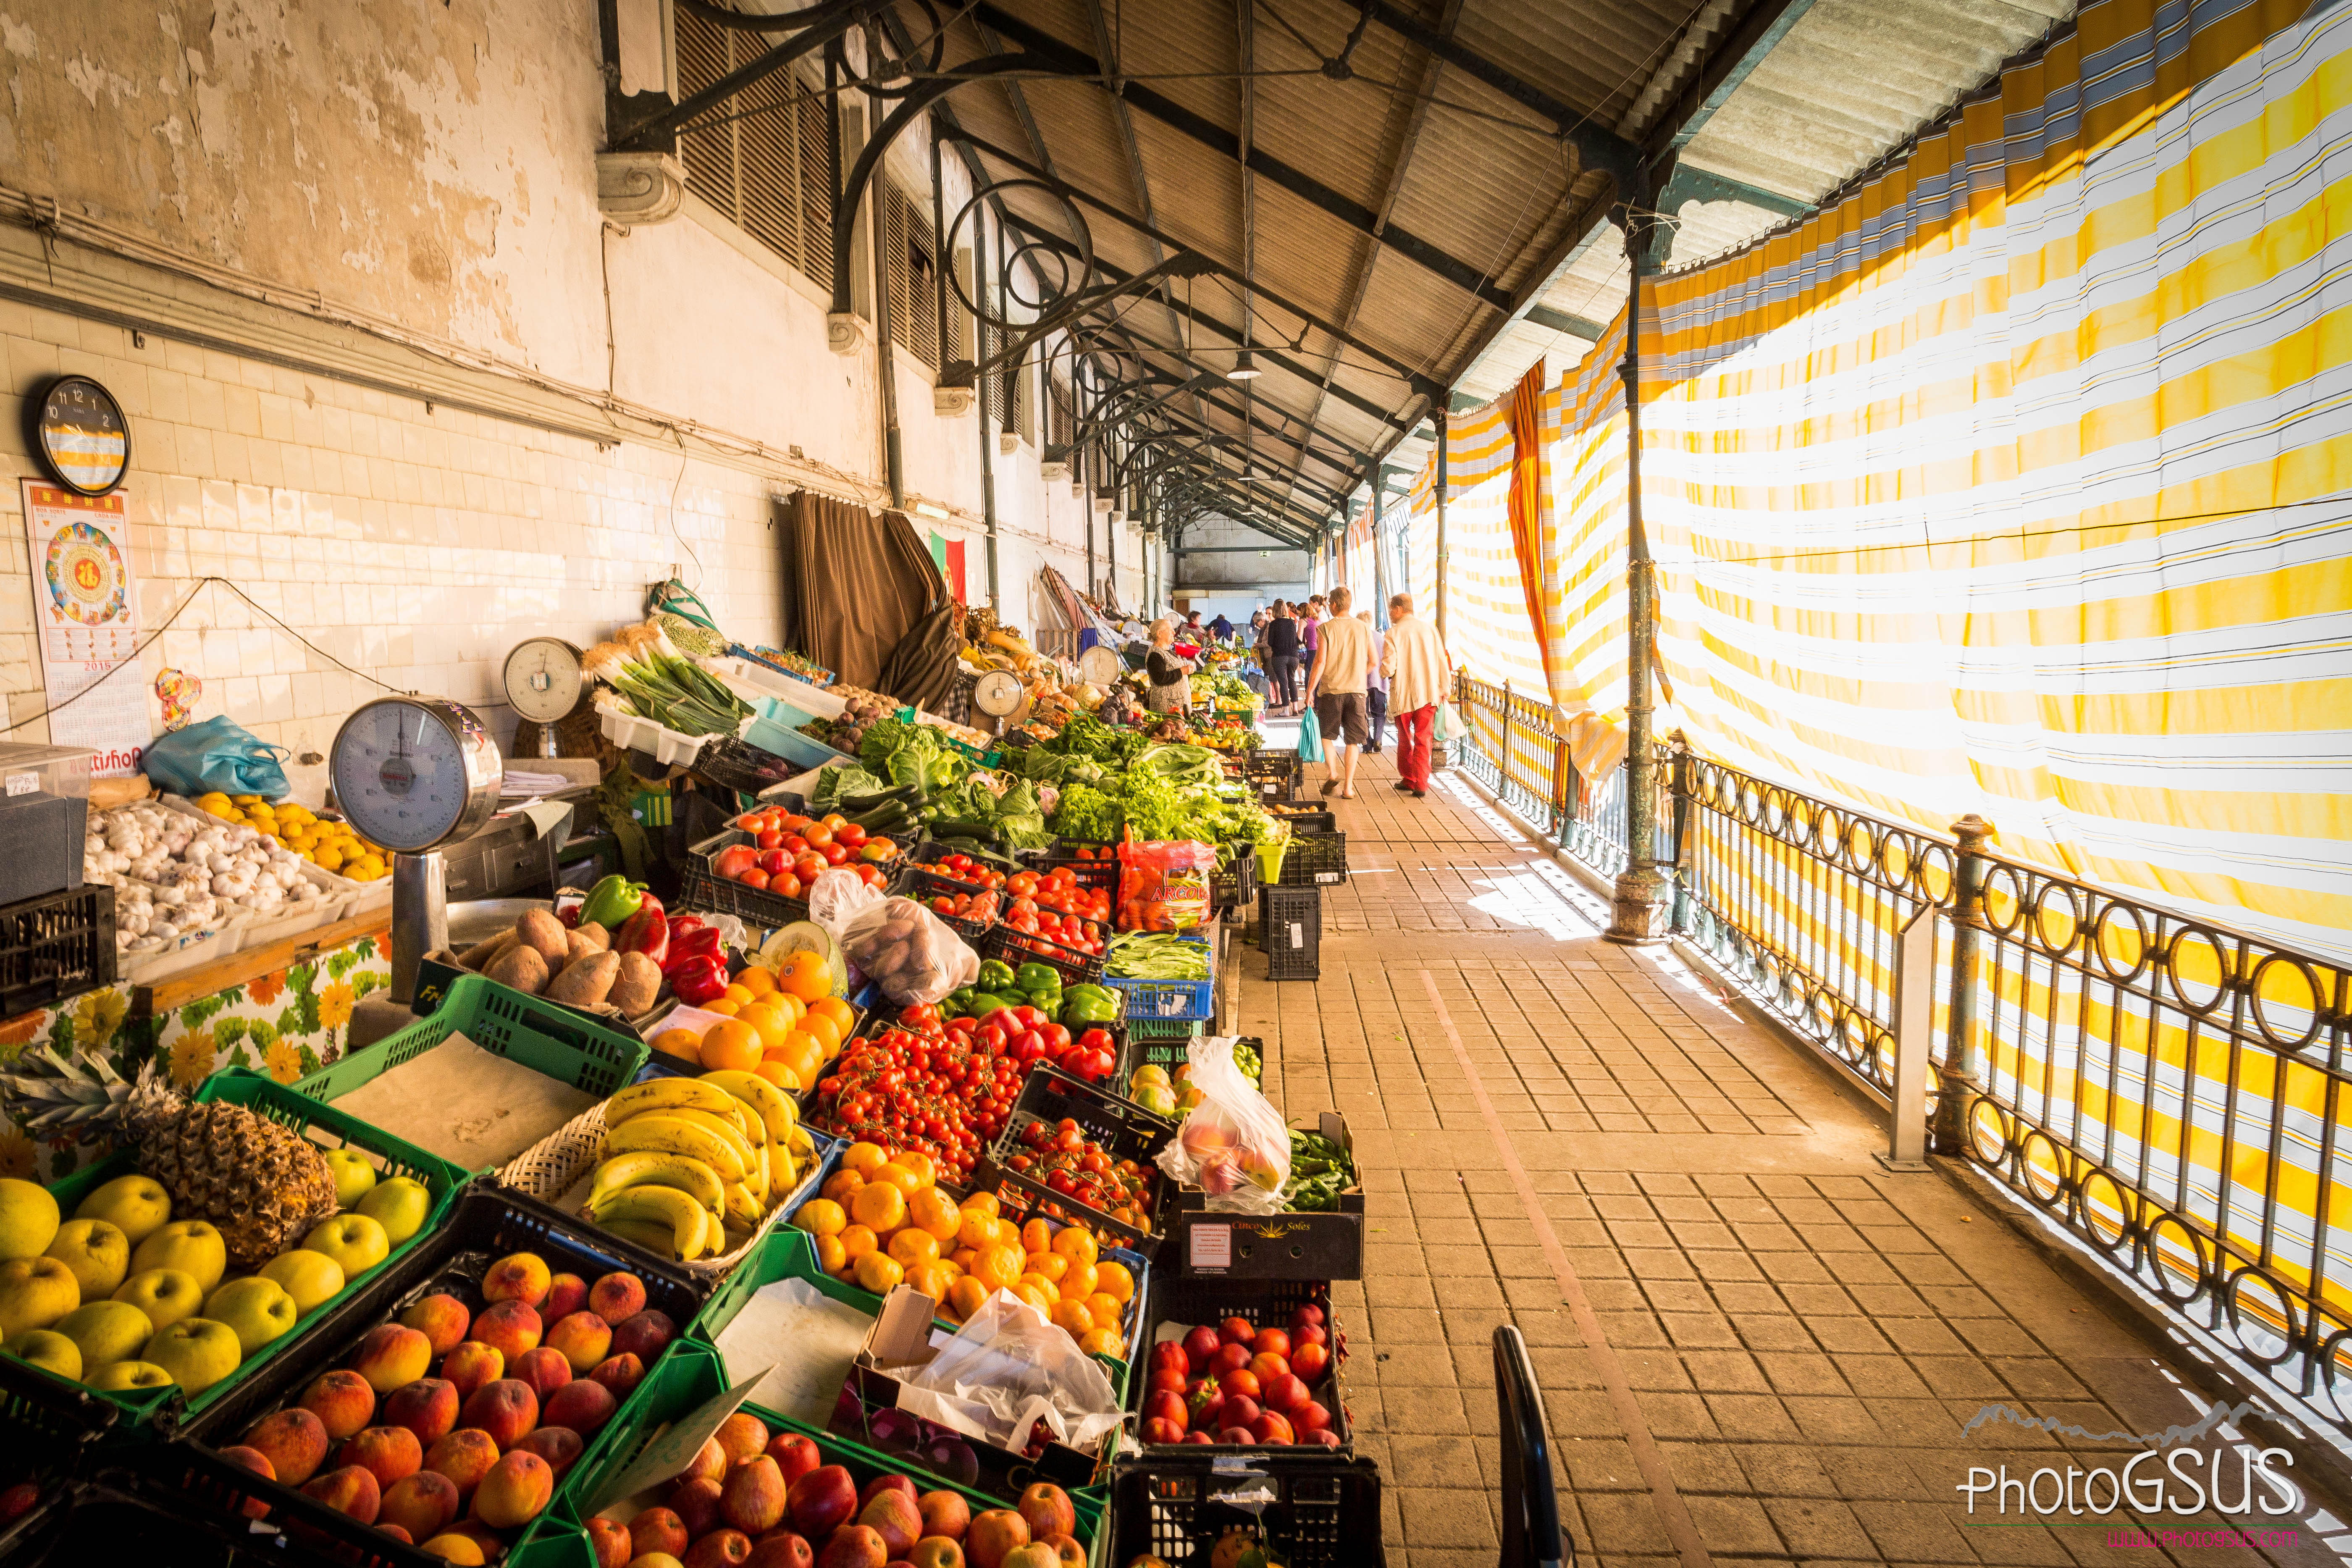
1314, 1245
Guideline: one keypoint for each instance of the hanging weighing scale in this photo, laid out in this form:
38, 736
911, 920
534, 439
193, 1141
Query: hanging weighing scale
413, 773
1099, 666
1000, 694
544, 683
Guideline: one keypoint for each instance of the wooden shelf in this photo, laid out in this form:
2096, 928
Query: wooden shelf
238, 968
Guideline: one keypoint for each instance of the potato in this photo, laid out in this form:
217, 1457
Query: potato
586, 983
480, 956
596, 935
638, 985
544, 934
580, 946
522, 967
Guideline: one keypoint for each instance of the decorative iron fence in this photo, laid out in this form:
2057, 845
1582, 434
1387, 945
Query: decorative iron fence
2173, 1092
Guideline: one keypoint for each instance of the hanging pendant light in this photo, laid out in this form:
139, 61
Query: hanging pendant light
1245, 368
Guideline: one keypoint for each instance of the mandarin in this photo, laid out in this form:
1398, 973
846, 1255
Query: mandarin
913, 1246
1077, 1243
879, 1205
935, 1212
821, 1217
731, 1047
1113, 1280
880, 1273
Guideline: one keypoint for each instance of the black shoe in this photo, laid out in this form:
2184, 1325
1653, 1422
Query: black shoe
1401, 785
1421, 794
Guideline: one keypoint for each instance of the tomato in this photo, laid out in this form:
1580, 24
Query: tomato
771, 839
787, 885
818, 835
849, 834
771, 861
834, 855
1022, 883
832, 820
754, 877
808, 865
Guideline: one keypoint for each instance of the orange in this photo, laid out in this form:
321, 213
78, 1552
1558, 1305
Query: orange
880, 1273
768, 1023
743, 995
1081, 1280
843, 1186
792, 1008
862, 1156
857, 1241
756, 980
1039, 1283
726, 1007
997, 1268
783, 1077
733, 1046
824, 1031
1104, 1341
897, 1176
1107, 1309
932, 1279
936, 1213
926, 1169
681, 1043
965, 1298
1047, 1265
831, 1256
984, 1202
977, 1229
1073, 1317
1113, 1280
806, 975
913, 1246
801, 1056
879, 1205
844, 1016
1077, 1243
965, 1258
821, 1217
1036, 1237
1034, 1295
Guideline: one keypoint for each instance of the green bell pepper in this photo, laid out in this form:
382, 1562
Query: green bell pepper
981, 1004
612, 901
995, 975
1038, 977
1048, 1001
1086, 1005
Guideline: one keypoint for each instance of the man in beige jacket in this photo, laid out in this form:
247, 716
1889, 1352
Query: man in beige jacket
1419, 678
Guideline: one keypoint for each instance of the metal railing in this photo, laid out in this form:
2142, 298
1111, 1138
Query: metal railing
2176, 1094
1515, 749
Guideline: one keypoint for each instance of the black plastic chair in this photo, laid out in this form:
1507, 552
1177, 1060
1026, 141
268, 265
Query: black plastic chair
1531, 1535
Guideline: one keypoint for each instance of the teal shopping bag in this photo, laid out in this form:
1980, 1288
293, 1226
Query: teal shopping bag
1310, 737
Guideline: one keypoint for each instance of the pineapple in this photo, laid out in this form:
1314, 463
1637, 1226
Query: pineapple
262, 1186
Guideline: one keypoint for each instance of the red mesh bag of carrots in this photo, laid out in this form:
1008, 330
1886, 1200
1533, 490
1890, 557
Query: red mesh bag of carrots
1164, 885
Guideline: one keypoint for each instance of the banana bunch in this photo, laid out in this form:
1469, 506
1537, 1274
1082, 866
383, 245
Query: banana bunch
692, 1166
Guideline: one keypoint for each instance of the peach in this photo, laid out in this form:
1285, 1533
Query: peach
561, 1447
257, 1461
583, 1406
442, 1319
422, 1504
390, 1454
644, 1335
294, 1442
518, 1276
544, 1369
744, 1436
781, 1549
471, 1365
709, 1461
609, 1539
1047, 1510
396, 1533
427, 1407
617, 1297
584, 1339
510, 1328
392, 1355
721, 1549
695, 1503
350, 1490
618, 1373
944, 1513
853, 1546
820, 1500
451, 1547
342, 1402
566, 1294
505, 1410
517, 1487
995, 1536
891, 1515
464, 1455
656, 1530
936, 1551
752, 1496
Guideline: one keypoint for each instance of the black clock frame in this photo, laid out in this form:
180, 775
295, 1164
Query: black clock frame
39, 448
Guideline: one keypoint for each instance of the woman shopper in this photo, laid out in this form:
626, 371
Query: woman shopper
1343, 664
1282, 657
1376, 686
1166, 675
1419, 674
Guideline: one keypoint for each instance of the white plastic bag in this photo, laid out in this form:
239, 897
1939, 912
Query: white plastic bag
837, 896
1008, 1367
903, 947
1233, 1145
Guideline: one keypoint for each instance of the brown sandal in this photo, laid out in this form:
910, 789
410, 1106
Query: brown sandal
1330, 785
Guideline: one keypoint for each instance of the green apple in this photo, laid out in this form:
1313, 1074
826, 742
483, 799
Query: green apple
165, 1295
97, 1253
34, 1292
400, 1206
121, 1376
258, 1310
52, 1351
189, 1245
312, 1278
106, 1332
353, 1240
197, 1352
28, 1218
138, 1206
353, 1175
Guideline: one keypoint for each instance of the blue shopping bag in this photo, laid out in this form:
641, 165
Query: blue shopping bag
216, 754
1310, 737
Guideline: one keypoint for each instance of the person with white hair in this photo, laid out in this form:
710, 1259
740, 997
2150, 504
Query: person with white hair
1420, 676
1166, 675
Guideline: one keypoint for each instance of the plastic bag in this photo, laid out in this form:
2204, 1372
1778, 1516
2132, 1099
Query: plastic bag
1447, 725
1008, 1367
217, 754
1310, 736
1164, 885
1233, 1145
900, 946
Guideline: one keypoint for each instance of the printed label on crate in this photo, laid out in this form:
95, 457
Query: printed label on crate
1298, 930
1211, 1246
23, 783
1327, 876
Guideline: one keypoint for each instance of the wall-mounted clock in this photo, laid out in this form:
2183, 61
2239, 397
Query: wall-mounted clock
79, 432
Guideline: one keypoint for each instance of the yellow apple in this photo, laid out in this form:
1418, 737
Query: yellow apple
400, 1206
97, 1253
28, 1218
353, 1240
122, 1376
257, 1310
353, 1175
196, 1354
189, 1245
49, 1351
165, 1295
312, 1278
34, 1292
138, 1206
106, 1332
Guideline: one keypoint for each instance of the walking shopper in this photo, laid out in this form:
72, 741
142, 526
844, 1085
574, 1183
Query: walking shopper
1376, 686
1166, 675
1343, 663
1282, 657
1418, 677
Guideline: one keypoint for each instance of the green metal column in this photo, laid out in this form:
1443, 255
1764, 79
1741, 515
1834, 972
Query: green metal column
1643, 910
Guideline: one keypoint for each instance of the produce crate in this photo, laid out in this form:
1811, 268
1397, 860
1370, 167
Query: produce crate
922, 886
1168, 1000
1016, 948
1176, 1505
1290, 928
1274, 774
1173, 1051
1192, 1301
1295, 1244
1124, 1128
1233, 885
489, 1223
55, 948
1315, 859
144, 1411
1305, 818
702, 888
1162, 1041
545, 1037
1065, 852
124, 1515
51, 1433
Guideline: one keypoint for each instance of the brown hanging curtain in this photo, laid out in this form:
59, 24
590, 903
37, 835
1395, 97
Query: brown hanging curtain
860, 583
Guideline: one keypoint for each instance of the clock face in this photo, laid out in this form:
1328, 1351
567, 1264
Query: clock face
80, 435
410, 773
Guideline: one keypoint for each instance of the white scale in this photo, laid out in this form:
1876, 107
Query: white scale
544, 683
1099, 666
413, 773
1000, 694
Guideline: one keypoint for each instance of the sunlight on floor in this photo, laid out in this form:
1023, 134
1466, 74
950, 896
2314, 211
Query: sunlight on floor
1529, 897
1457, 789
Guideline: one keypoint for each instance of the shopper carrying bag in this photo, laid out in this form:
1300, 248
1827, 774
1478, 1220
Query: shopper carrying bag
1420, 677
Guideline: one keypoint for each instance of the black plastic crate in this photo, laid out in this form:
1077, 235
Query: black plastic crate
1233, 885
705, 890
1294, 1244
1178, 1504
1274, 775
1290, 930
124, 1517
1195, 1301
50, 1435
1315, 859
1019, 947
922, 886
1124, 1128
55, 948
1305, 818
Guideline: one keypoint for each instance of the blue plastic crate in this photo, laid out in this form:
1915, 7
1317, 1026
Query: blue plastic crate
1168, 1000
776, 729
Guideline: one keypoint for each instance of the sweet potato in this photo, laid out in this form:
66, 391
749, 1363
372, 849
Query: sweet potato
522, 967
482, 955
579, 947
542, 933
596, 936
638, 985
588, 982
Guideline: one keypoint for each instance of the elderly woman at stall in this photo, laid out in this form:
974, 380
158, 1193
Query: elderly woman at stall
1167, 674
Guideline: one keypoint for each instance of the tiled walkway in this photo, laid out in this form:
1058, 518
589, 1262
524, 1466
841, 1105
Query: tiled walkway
1754, 1343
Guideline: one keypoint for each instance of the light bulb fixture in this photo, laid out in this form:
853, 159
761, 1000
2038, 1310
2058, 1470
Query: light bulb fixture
1245, 368
934, 510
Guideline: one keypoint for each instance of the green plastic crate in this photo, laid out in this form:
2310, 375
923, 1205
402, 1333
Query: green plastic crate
266, 1097
542, 1036
689, 1376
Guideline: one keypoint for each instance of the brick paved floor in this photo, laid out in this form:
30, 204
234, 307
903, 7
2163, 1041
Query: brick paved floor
1797, 1339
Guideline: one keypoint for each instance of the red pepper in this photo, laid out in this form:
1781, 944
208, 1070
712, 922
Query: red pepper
698, 979
648, 905
702, 942
570, 916
647, 931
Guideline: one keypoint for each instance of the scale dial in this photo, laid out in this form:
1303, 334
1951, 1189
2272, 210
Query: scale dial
998, 693
412, 772
1099, 666
544, 680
